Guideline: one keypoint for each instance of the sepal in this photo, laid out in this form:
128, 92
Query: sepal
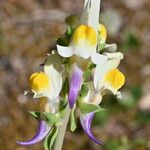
73, 121
49, 118
84, 90
88, 107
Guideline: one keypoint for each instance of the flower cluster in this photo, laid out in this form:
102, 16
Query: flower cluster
76, 76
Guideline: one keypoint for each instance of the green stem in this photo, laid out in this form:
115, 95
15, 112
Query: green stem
62, 130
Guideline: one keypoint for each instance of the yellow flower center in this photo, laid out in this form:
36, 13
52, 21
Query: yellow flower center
115, 78
39, 81
84, 32
102, 32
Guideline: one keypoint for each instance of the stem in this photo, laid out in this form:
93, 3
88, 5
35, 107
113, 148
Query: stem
62, 130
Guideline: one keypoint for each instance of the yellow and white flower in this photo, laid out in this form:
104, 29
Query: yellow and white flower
46, 84
84, 44
108, 77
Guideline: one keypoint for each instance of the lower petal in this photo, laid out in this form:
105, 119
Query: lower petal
86, 121
42, 131
75, 85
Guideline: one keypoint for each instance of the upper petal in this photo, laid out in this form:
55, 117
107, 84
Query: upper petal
86, 121
41, 133
65, 51
98, 59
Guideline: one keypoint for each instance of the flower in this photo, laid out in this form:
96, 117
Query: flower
107, 76
83, 44
41, 133
46, 84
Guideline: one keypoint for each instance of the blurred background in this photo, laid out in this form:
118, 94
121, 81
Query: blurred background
28, 31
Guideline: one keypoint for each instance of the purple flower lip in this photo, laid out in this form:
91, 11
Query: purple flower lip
75, 85
86, 121
42, 131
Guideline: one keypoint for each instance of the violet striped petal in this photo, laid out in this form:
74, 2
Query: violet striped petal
42, 131
86, 121
75, 85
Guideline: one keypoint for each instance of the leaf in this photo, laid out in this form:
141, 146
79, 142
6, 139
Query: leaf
62, 107
72, 21
50, 139
87, 107
87, 74
69, 32
62, 41
73, 123
50, 118
84, 90
91, 66
35, 114
65, 88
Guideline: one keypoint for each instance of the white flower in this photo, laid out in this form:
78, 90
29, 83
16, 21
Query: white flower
107, 76
47, 84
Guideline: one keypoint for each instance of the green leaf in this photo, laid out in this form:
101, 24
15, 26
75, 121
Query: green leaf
62, 41
87, 74
35, 114
91, 66
73, 123
65, 88
87, 107
84, 90
62, 107
50, 118
72, 21
69, 32
50, 139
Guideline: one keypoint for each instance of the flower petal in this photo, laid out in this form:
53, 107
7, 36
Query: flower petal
86, 121
56, 81
75, 85
84, 17
94, 14
111, 47
98, 59
84, 50
65, 51
43, 130
113, 60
